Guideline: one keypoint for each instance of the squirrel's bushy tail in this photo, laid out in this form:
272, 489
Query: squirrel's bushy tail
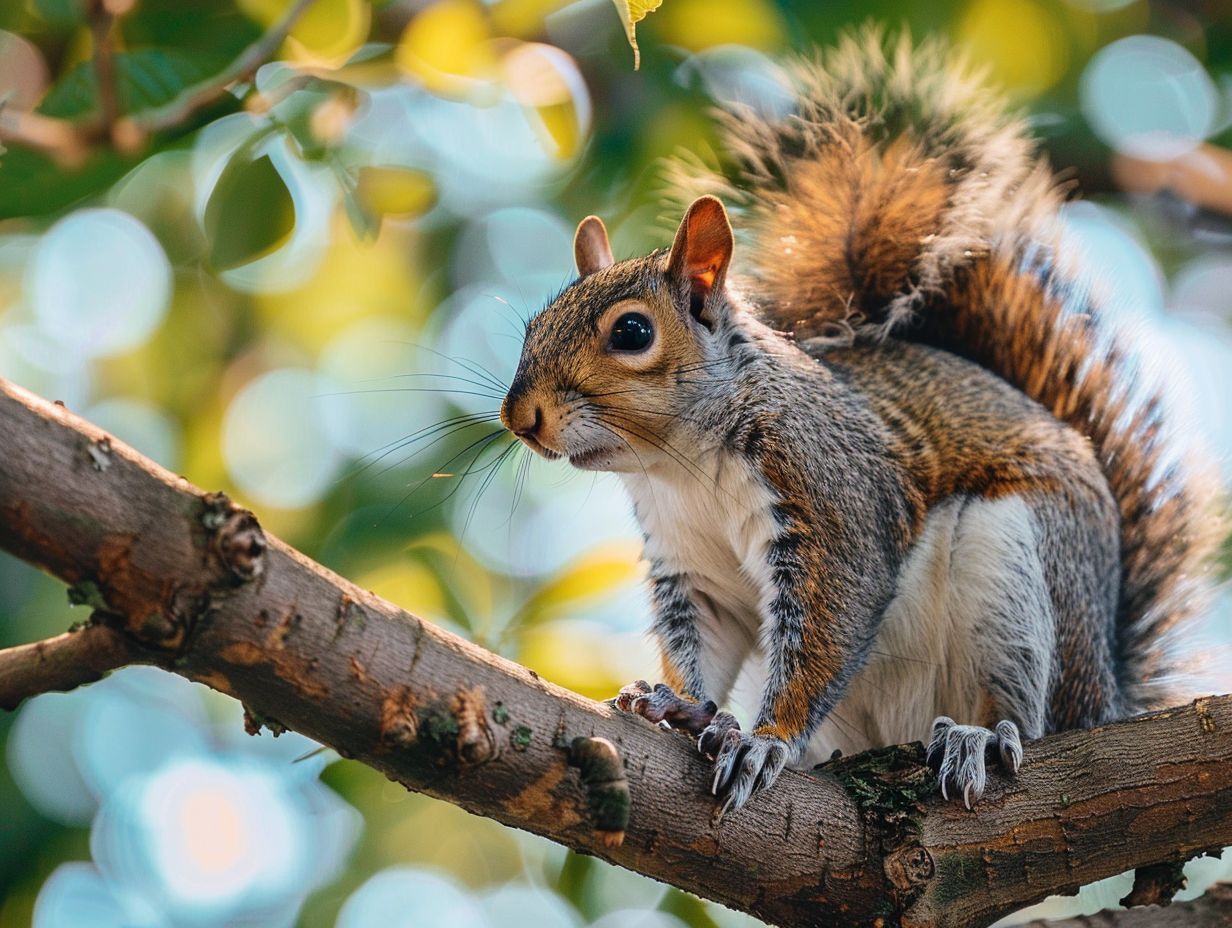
901, 196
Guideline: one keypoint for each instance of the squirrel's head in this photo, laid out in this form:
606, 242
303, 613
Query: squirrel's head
607, 367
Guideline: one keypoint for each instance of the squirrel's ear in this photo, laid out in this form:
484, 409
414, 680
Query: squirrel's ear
700, 255
591, 250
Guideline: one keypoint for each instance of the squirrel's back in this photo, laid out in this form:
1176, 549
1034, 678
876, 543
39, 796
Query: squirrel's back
902, 197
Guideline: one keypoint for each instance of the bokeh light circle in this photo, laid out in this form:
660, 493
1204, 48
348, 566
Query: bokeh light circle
520, 904
1148, 97
210, 838
99, 283
402, 897
276, 441
42, 760
76, 894
735, 75
528, 249
385, 390
140, 424
638, 918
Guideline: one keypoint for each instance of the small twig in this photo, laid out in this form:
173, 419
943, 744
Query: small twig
201, 95
102, 27
57, 138
1202, 176
63, 663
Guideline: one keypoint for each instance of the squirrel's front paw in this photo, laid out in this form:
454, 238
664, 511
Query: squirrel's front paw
744, 763
659, 703
956, 754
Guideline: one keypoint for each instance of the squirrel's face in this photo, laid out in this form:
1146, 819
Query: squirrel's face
605, 368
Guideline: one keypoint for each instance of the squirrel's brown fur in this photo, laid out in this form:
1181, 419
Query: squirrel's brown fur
902, 197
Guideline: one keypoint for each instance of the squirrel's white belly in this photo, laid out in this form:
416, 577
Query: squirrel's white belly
971, 599
713, 523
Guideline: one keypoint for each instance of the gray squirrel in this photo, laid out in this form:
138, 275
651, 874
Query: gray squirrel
899, 465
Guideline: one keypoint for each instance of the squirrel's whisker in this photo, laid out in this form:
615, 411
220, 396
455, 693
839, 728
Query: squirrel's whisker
482, 443
380, 453
473, 367
479, 384
493, 469
440, 432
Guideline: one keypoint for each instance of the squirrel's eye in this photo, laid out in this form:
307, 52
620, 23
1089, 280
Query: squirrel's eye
632, 332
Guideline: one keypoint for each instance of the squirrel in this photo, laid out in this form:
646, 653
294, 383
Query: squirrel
901, 465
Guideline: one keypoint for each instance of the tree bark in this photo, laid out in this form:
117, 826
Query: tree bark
1214, 910
193, 582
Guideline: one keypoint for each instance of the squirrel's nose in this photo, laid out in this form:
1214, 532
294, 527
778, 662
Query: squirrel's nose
521, 419
531, 430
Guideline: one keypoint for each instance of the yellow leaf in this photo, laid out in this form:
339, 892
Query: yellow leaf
354, 280
408, 584
448, 49
395, 191
330, 31
547, 82
574, 655
631, 13
598, 572
523, 18
467, 578
700, 24
326, 35
1022, 40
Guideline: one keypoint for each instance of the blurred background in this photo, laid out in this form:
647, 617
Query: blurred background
309, 292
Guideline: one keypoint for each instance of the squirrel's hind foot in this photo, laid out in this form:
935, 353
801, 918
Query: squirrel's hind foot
659, 703
957, 755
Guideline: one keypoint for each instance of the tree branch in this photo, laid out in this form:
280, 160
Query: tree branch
69, 142
864, 840
1214, 910
59, 139
63, 663
199, 96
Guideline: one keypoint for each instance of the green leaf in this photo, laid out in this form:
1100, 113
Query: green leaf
249, 214
31, 184
395, 191
60, 14
215, 32
145, 78
596, 573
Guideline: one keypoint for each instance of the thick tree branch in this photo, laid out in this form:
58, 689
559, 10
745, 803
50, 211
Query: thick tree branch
863, 841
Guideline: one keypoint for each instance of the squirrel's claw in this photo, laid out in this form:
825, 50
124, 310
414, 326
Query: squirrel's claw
1009, 745
711, 739
957, 755
660, 704
745, 765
